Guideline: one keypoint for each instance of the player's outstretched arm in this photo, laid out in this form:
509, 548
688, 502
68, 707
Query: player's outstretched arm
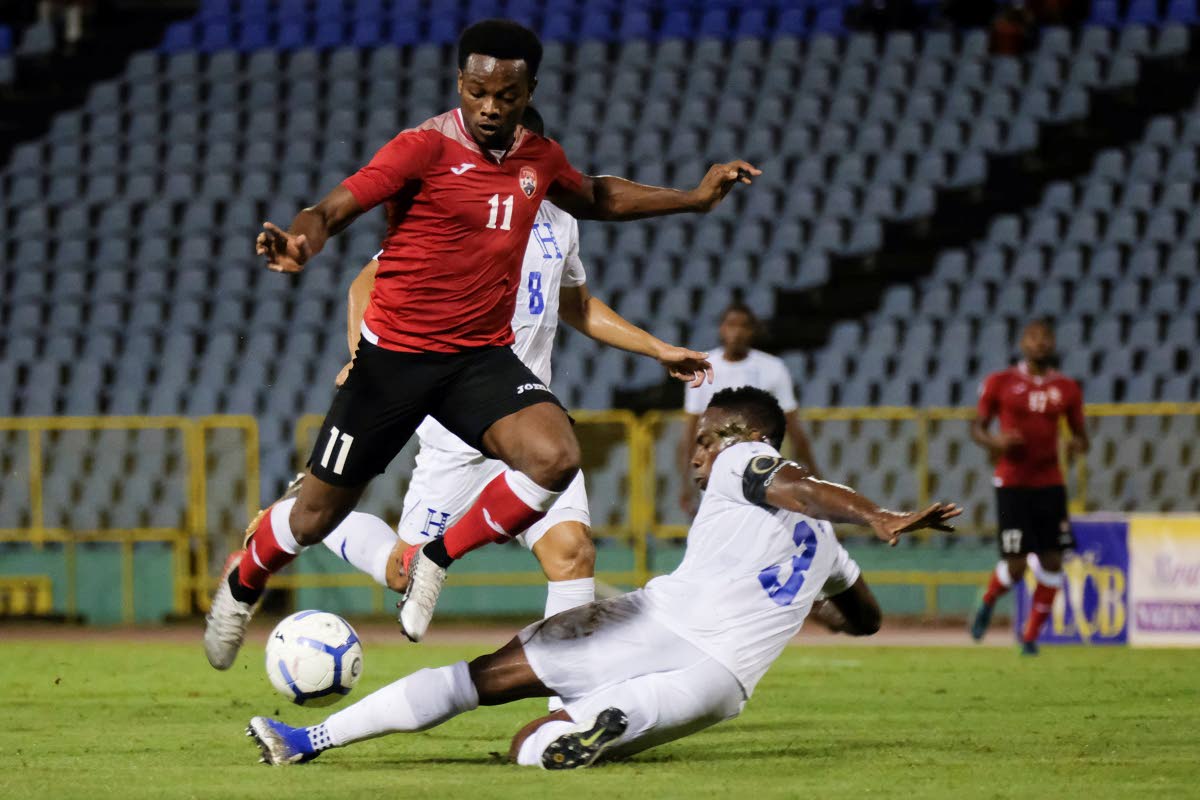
290, 250
607, 197
793, 488
595, 319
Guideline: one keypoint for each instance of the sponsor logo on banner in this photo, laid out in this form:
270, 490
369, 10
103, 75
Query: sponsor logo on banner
1091, 608
1164, 587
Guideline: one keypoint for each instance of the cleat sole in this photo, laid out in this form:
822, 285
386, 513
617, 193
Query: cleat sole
582, 748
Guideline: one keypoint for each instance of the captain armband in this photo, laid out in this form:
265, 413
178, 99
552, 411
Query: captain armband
759, 474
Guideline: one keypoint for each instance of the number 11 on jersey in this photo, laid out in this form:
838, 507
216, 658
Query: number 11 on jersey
495, 203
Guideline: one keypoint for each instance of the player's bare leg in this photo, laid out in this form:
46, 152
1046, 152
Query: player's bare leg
854, 612
277, 536
542, 454
1047, 569
420, 701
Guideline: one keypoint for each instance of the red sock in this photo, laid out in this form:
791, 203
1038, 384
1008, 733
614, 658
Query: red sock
1043, 601
263, 556
995, 590
497, 516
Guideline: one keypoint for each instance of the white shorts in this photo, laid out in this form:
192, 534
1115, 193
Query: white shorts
612, 654
446, 483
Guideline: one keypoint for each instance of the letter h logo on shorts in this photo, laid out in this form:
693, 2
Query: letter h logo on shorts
433, 525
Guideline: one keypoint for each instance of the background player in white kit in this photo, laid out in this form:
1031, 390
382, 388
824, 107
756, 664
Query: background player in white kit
738, 363
681, 654
449, 474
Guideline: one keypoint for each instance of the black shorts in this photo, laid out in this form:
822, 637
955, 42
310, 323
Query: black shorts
1033, 520
389, 393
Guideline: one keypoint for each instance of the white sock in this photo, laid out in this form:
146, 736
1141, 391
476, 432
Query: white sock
365, 541
528, 492
565, 595
420, 701
530, 754
281, 526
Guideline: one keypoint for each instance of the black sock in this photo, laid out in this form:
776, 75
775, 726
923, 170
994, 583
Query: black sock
243, 594
435, 551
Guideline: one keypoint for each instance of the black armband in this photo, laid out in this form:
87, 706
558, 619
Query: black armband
758, 476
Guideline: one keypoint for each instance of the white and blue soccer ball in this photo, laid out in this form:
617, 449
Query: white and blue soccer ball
314, 658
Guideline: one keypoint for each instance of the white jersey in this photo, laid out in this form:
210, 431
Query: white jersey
758, 369
750, 573
551, 262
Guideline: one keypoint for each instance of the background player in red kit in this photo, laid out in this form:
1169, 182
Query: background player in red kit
461, 191
1029, 399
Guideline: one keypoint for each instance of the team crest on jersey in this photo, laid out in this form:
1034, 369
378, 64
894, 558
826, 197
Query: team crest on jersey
528, 181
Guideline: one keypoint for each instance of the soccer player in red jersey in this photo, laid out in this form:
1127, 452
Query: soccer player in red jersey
1031, 499
461, 192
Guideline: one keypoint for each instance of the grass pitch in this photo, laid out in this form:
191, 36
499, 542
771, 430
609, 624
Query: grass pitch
151, 719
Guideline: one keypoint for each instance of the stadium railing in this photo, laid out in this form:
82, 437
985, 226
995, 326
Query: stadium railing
189, 542
632, 504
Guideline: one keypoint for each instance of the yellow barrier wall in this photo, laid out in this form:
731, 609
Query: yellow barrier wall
1144, 458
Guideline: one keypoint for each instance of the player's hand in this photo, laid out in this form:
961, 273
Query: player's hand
1076, 447
1006, 441
686, 365
890, 524
283, 251
345, 373
721, 178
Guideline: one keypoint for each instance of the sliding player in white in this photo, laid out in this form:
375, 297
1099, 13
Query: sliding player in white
450, 475
683, 653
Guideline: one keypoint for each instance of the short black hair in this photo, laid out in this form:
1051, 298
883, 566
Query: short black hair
760, 409
502, 39
738, 307
532, 120
1045, 322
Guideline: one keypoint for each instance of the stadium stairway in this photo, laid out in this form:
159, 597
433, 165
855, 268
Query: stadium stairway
1015, 182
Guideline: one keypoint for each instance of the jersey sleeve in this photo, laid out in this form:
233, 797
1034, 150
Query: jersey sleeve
403, 159
784, 390
565, 177
695, 400
742, 472
573, 273
989, 397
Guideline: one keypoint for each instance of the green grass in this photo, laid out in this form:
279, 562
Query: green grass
153, 720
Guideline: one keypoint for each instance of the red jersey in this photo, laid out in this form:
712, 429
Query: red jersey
1031, 406
458, 223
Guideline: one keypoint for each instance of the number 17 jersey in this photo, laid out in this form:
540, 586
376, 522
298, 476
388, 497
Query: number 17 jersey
459, 219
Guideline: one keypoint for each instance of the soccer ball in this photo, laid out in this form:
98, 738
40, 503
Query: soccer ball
314, 658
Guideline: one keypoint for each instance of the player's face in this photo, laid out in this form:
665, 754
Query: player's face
493, 94
718, 428
736, 333
1037, 344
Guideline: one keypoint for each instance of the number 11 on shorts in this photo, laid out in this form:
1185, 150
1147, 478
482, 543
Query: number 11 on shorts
343, 451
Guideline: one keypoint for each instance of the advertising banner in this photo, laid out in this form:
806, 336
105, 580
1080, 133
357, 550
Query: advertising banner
1091, 607
1164, 582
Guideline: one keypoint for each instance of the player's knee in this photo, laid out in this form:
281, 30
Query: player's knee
1051, 560
1016, 570
311, 524
553, 465
569, 553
